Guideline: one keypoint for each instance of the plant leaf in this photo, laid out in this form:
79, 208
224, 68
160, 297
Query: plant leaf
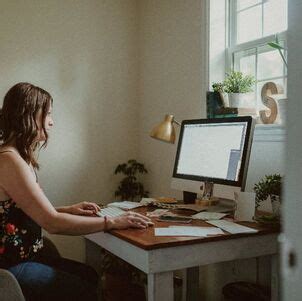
275, 45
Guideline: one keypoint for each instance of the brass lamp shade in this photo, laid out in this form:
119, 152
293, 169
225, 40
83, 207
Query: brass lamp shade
165, 131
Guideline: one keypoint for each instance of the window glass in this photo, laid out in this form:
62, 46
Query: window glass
242, 4
253, 24
270, 64
245, 61
249, 24
275, 17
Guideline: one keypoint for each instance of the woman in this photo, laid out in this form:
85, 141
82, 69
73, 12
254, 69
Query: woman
25, 121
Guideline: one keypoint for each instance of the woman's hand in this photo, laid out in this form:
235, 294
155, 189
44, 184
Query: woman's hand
84, 208
129, 220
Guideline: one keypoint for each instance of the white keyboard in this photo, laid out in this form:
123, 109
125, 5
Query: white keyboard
110, 212
231, 227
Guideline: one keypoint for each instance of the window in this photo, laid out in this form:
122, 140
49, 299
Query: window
252, 24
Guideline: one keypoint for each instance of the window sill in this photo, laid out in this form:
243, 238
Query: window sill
269, 133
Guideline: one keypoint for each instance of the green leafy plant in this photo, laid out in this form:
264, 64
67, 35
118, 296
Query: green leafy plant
218, 87
130, 187
236, 82
277, 45
269, 185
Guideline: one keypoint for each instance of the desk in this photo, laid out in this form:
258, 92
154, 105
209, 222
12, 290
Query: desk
158, 257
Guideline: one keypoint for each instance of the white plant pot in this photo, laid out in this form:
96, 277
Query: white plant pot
276, 204
241, 100
282, 110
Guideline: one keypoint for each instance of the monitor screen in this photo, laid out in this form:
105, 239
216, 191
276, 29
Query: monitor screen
214, 150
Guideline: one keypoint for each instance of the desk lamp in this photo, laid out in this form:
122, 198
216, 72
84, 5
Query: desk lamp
165, 131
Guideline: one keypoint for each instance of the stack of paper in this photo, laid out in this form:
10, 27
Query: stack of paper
187, 231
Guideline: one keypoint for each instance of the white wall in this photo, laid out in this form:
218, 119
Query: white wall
85, 54
292, 208
218, 40
171, 79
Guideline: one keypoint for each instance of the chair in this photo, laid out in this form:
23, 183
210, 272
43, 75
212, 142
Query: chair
10, 289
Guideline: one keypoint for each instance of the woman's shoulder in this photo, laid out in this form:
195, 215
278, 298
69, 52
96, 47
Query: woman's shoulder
9, 153
10, 159
8, 149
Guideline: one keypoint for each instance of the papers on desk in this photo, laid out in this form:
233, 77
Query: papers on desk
231, 227
187, 231
126, 205
208, 215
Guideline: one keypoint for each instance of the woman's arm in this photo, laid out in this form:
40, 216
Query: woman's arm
83, 208
19, 183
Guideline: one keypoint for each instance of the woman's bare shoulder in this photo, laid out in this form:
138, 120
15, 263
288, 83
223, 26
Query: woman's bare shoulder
9, 153
10, 160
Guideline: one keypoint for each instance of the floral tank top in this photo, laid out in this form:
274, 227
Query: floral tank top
20, 237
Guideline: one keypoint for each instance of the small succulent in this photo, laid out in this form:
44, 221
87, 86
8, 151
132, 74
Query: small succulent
218, 87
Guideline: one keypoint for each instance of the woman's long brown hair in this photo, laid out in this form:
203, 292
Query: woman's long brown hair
18, 119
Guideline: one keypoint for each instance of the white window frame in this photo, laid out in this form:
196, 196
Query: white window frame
233, 47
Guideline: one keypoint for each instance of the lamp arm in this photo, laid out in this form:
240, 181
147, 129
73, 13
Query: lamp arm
177, 122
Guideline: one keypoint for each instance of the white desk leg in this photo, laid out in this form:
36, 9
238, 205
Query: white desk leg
160, 287
275, 277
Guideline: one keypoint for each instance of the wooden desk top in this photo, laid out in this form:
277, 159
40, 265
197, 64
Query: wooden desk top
146, 239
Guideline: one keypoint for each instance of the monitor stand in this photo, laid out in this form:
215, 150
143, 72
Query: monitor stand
215, 204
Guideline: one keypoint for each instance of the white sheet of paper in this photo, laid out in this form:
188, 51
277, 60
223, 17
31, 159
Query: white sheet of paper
187, 231
232, 227
205, 230
208, 215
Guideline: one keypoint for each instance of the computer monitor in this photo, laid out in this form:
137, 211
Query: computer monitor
213, 154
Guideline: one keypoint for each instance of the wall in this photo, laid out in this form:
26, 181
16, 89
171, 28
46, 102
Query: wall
171, 79
85, 54
218, 40
292, 208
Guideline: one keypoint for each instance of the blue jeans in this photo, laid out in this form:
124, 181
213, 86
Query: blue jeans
56, 279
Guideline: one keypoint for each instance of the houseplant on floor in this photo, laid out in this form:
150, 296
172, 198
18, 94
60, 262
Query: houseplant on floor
238, 86
130, 188
120, 280
270, 186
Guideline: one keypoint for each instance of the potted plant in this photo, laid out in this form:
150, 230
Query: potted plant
238, 86
270, 186
120, 280
130, 188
